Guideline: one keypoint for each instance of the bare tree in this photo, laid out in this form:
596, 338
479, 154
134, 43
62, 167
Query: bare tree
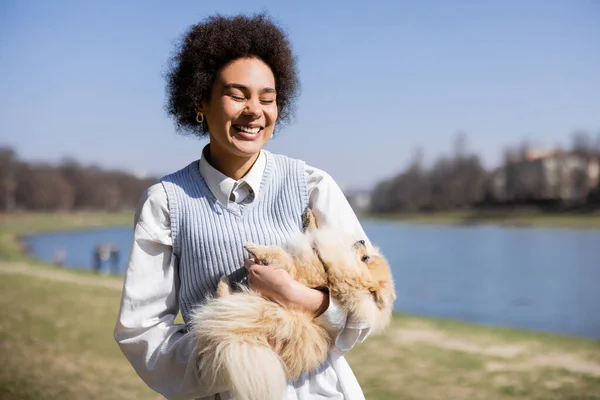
41, 187
582, 143
8, 183
460, 144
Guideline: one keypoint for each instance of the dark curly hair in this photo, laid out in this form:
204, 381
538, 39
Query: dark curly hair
210, 45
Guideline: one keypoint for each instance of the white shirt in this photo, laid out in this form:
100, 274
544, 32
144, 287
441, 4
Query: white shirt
162, 352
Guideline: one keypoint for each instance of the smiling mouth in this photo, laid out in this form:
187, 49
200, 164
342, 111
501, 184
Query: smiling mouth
247, 129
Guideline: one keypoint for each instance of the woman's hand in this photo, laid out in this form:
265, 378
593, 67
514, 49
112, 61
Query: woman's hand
272, 282
276, 284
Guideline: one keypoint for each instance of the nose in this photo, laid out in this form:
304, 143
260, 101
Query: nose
252, 107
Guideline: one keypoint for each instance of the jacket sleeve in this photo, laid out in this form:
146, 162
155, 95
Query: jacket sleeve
331, 208
160, 350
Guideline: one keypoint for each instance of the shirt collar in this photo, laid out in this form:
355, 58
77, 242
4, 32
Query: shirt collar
222, 186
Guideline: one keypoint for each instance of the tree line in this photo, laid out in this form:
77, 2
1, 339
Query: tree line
66, 186
563, 179
452, 182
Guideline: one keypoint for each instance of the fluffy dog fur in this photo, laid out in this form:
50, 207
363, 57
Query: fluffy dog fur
233, 330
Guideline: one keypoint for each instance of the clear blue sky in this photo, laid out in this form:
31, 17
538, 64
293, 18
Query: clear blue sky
84, 79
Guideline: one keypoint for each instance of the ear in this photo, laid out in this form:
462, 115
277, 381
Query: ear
378, 295
202, 106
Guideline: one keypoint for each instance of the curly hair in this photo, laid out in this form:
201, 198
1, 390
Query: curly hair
212, 44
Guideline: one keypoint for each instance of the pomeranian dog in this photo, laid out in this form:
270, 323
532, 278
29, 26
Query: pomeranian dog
234, 331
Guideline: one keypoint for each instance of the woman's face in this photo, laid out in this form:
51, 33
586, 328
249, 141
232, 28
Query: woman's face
242, 110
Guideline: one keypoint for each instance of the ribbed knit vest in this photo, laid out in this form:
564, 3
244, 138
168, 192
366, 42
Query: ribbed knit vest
208, 238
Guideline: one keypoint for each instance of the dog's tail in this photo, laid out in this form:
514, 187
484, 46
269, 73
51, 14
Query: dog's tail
244, 363
254, 372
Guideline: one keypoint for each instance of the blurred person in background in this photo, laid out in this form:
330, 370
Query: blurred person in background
102, 254
115, 257
60, 255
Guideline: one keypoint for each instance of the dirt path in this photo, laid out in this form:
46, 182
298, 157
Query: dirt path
10, 268
507, 356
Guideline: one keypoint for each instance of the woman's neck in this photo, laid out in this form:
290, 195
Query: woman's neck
230, 165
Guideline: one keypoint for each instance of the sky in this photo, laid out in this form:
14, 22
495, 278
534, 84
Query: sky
379, 79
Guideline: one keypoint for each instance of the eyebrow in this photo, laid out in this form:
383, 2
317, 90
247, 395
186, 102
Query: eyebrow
243, 87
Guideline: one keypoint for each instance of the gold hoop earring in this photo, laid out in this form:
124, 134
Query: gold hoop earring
199, 117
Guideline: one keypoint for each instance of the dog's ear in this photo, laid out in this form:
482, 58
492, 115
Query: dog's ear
378, 294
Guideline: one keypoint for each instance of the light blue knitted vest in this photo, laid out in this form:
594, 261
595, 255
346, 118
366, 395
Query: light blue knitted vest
208, 238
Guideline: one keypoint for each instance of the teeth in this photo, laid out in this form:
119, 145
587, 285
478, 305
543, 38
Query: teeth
248, 130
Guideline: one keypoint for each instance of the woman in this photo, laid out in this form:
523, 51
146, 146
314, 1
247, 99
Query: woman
232, 79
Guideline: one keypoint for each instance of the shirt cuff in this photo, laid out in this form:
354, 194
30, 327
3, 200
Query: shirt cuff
334, 318
355, 331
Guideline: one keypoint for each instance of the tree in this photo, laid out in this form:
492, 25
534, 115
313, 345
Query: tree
8, 183
582, 143
42, 187
460, 144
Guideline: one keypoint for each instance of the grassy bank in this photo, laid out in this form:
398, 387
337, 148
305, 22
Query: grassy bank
56, 342
515, 218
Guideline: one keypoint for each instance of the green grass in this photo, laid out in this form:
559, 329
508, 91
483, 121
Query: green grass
517, 218
56, 341
420, 358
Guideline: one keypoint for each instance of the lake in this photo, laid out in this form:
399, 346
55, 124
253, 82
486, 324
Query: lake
538, 279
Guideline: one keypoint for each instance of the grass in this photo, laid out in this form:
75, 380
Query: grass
516, 218
421, 358
56, 343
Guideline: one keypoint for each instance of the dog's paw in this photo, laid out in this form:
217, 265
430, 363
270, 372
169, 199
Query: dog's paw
259, 253
223, 288
250, 248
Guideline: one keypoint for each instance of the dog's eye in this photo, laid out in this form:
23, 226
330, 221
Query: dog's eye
365, 259
359, 244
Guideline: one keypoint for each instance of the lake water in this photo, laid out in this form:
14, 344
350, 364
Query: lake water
539, 279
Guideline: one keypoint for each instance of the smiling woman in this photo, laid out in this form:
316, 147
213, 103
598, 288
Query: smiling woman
235, 80
240, 115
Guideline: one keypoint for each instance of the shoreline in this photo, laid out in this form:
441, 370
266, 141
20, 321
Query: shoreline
509, 219
14, 226
12, 250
